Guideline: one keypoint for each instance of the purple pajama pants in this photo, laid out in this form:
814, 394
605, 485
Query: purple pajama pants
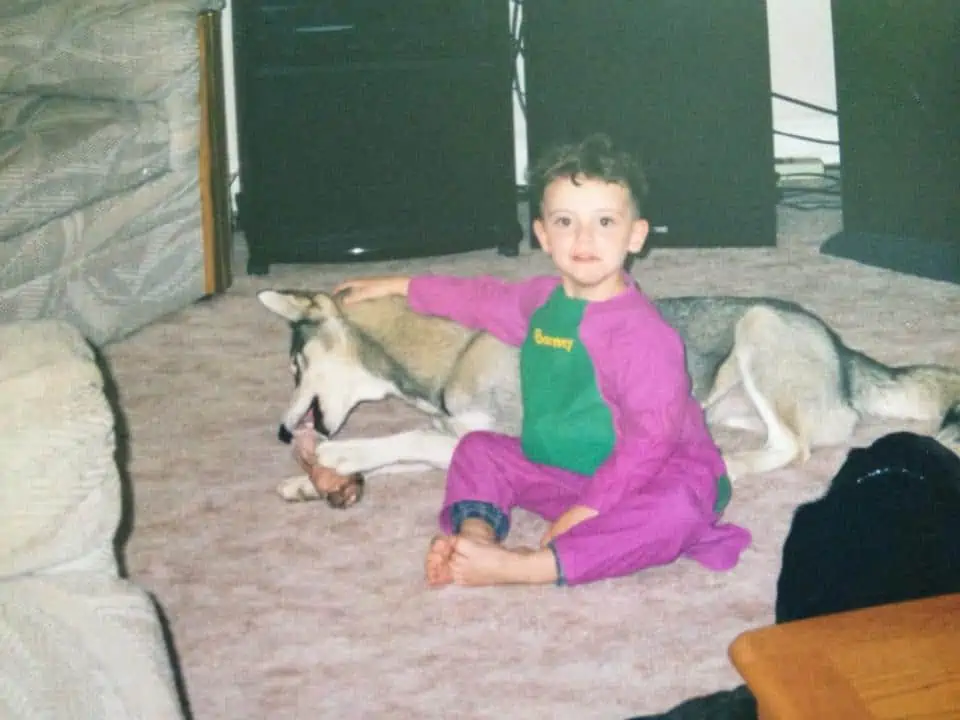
489, 476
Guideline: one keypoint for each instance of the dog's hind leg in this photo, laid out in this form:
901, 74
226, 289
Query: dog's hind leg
757, 334
782, 444
791, 372
726, 379
735, 422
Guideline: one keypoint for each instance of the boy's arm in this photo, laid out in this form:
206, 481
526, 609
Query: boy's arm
648, 393
500, 307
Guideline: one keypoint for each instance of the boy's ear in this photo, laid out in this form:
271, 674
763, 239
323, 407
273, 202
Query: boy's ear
638, 236
541, 232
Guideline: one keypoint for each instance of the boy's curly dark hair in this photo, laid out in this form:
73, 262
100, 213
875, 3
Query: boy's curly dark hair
595, 157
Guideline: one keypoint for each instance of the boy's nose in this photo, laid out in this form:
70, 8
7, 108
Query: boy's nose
584, 237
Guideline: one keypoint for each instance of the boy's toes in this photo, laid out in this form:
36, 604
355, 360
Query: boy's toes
438, 570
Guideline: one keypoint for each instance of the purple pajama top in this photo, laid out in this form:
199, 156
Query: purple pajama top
640, 368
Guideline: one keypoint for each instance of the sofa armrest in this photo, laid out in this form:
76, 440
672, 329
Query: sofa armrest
76, 640
83, 646
114, 49
60, 491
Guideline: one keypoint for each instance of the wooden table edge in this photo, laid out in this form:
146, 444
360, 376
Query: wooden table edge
835, 696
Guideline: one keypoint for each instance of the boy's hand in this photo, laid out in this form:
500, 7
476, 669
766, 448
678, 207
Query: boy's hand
574, 516
368, 288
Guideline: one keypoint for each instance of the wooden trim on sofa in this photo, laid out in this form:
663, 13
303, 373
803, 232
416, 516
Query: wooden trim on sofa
214, 182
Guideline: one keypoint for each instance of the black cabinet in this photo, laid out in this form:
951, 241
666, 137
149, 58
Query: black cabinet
898, 106
685, 85
374, 130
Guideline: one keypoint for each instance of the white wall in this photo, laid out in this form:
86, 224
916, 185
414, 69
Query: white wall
230, 100
801, 66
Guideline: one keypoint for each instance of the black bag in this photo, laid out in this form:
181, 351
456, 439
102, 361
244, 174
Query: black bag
888, 530
885, 531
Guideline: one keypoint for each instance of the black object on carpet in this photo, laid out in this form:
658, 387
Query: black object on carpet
884, 532
931, 258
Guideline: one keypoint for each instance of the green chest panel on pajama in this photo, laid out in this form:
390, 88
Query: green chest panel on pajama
566, 422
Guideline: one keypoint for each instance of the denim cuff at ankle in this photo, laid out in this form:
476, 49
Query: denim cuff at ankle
561, 578
490, 514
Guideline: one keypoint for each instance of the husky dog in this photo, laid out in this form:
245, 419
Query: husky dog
808, 389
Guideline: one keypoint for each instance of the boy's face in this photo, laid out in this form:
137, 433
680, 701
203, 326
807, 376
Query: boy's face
588, 229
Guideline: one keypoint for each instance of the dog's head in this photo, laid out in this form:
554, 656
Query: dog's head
329, 376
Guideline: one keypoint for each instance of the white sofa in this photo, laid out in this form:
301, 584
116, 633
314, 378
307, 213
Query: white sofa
77, 641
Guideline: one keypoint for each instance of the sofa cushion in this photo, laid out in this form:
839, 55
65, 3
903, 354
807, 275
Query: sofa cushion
58, 154
120, 49
83, 646
113, 266
59, 485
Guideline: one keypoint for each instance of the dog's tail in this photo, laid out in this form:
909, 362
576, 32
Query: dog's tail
911, 392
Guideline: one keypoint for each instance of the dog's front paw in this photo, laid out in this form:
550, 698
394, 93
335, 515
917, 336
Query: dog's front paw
348, 494
298, 489
343, 457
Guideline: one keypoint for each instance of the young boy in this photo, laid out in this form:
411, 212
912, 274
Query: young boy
614, 450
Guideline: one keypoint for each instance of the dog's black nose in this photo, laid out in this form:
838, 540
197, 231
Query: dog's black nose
284, 435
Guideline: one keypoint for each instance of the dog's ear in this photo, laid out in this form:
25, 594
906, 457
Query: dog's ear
322, 307
292, 306
296, 306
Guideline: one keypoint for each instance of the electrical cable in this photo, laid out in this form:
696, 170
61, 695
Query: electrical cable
810, 195
803, 103
821, 141
516, 43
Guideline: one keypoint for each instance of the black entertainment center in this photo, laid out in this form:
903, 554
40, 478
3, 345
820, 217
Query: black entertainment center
373, 130
370, 129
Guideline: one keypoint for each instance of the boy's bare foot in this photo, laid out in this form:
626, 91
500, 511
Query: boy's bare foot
438, 561
478, 563
477, 529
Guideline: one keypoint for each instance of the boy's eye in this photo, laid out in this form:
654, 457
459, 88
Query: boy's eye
608, 221
563, 221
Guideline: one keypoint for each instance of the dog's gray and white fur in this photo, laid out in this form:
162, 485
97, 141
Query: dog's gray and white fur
807, 387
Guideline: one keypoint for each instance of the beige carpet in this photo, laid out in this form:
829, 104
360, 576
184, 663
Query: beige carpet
300, 611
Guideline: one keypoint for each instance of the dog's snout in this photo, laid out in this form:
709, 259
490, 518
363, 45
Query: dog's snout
313, 418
